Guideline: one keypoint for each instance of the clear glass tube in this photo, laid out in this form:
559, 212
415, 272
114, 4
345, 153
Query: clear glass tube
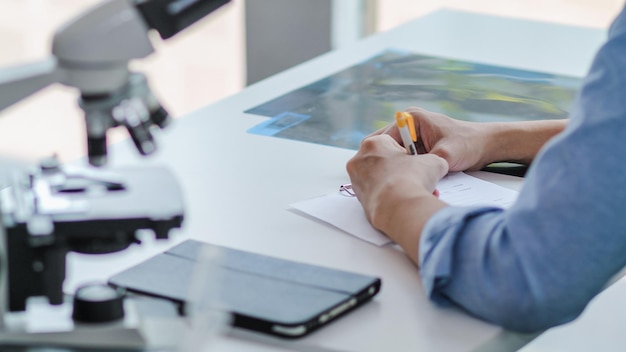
204, 310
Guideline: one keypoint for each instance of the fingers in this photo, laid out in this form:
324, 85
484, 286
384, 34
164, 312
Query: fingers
436, 163
392, 130
380, 143
378, 131
419, 146
389, 130
385, 145
416, 110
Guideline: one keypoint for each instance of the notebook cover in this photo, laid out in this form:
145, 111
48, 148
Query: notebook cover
263, 292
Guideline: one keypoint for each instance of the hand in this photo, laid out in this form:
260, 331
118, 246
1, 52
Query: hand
396, 189
462, 144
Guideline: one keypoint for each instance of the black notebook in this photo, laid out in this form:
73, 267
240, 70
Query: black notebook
265, 294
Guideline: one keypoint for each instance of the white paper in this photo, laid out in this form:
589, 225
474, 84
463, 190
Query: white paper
461, 189
345, 213
457, 189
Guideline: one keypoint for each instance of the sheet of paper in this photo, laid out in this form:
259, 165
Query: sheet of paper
457, 189
461, 189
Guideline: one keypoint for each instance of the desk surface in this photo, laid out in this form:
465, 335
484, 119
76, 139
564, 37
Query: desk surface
238, 186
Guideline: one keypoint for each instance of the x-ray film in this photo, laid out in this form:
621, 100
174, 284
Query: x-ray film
341, 109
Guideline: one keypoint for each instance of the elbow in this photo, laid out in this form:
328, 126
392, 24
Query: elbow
535, 322
535, 314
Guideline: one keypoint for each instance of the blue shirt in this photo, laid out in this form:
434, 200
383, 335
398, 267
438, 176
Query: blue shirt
538, 263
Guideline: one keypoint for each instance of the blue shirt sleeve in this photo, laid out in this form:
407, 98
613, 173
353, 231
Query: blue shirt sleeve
538, 263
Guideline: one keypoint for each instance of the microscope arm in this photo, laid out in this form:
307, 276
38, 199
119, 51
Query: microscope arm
92, 54
169, 17
19, 82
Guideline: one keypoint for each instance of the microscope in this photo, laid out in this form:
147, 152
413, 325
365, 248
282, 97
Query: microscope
48, 212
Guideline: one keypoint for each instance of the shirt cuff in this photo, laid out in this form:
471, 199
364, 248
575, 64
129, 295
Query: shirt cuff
437, 245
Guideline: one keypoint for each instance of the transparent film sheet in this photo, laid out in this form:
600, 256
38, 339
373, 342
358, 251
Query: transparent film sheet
341, 109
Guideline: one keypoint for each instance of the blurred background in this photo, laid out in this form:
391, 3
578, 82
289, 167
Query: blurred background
214, 58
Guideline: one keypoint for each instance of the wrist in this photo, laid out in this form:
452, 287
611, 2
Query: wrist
403, 220
498, 143
394, 209
520, 141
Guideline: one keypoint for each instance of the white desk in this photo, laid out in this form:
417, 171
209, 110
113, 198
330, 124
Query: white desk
238, 186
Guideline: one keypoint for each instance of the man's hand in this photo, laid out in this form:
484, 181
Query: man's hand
470, 146
462, 144
396, 189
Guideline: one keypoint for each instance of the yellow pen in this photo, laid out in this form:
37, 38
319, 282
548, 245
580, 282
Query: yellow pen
405, 124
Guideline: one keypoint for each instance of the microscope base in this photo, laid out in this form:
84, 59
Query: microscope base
149, 323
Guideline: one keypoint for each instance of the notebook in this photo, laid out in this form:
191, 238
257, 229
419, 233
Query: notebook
265, 294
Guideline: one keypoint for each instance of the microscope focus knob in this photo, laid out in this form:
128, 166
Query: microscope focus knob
98, 303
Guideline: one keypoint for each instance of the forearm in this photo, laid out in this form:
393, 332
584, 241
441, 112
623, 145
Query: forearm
519, 142
500, 275
538, 263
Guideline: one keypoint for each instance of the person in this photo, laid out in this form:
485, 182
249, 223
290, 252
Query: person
538, 263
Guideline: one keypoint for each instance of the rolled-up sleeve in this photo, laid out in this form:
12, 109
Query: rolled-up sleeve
538, 263
438, 241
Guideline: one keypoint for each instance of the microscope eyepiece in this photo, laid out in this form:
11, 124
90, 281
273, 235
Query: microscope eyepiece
169, 17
